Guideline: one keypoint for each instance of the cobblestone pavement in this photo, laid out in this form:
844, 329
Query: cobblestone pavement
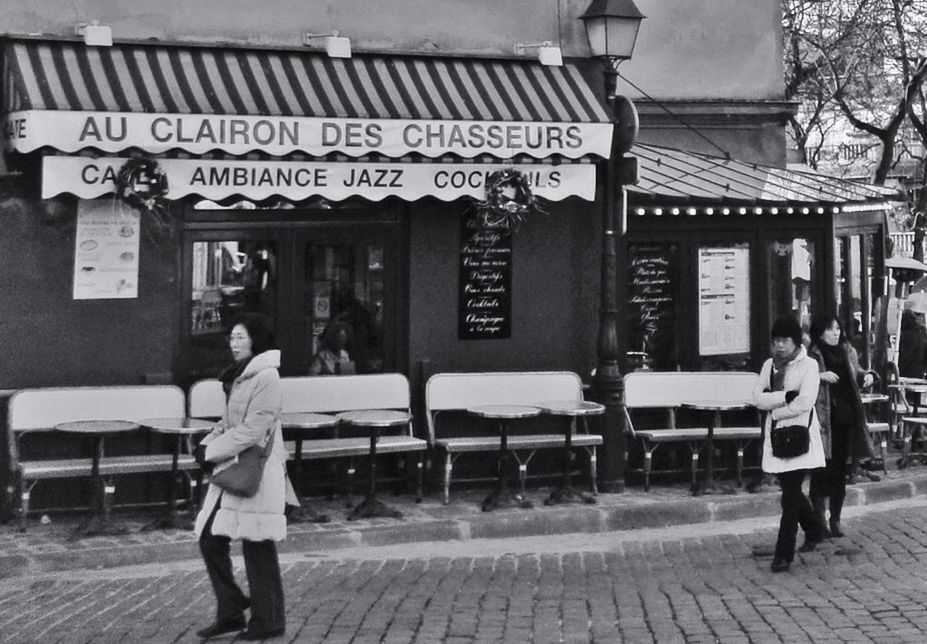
697, 583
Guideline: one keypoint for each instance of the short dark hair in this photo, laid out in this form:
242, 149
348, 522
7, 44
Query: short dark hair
258, 327
820, 323
787, 326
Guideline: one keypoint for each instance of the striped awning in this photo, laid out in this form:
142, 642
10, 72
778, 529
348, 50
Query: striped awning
157, 98
673, 175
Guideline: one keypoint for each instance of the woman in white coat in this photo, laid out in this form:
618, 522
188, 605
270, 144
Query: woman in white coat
254, 402
788, 390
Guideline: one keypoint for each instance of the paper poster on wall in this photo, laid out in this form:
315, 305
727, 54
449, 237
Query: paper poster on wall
724, 301
106, 251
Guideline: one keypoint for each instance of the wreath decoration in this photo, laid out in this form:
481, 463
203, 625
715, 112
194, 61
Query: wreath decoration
142, 184
509, 200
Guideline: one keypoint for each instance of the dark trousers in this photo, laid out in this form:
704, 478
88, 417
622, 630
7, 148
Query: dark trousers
263, 570
831, 480
796, 510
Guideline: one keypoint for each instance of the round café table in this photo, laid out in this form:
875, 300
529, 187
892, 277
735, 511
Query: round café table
715, 407
99, 523
503, 495
372, 421
181, 429
304, 421
574, 410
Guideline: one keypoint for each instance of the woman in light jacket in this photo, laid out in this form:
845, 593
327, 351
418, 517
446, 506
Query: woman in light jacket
254, 401
787, 390
840, 410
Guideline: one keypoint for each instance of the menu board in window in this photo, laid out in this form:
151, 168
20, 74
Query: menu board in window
723, 300
485, 295
652, 287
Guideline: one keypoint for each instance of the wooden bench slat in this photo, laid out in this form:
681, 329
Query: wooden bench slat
71, 467
341, 447
524, 441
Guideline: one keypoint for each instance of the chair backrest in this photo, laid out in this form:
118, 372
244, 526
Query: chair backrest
330, 394
44, 408
320, 394
206, 399
458, 391
672, 388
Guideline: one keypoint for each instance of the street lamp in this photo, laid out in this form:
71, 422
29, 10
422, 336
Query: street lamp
611, 27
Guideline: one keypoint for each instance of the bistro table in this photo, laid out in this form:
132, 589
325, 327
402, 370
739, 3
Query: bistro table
915, 386
99, 523
372, 421
311, 422
572, 409
180, 429
715, 407
503, 495
857, 471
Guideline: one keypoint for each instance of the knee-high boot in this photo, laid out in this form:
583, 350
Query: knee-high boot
819, 504
836, 507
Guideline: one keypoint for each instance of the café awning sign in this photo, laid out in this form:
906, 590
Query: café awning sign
26, 131
90, 178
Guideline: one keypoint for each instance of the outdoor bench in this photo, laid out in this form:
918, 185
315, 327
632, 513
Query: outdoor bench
456, 392
665, 392
332, 395
33, 411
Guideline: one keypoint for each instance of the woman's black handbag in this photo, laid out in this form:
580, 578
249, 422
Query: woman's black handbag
243, 476
790, 441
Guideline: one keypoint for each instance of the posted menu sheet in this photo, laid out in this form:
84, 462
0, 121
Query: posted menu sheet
723, 301
106, 251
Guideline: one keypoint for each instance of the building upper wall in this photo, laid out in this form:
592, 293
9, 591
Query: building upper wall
686, 50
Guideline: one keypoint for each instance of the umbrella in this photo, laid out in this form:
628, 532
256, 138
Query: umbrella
905, 263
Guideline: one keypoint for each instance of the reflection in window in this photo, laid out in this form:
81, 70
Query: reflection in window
791, 279
345, 291
229, 278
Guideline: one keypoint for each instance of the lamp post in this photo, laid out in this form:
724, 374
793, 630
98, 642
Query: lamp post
611, 27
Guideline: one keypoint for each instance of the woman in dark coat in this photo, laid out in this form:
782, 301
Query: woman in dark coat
840, 410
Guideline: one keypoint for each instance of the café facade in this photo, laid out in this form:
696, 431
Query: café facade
152, 192
433, 206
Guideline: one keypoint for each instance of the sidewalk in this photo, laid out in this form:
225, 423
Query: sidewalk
45, 548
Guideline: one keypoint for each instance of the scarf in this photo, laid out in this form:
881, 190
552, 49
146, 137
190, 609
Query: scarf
230, 374
834, 358
778, 371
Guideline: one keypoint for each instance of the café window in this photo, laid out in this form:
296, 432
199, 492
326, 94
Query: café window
345, 290
229, 278
792, 279
723, 306
854, 257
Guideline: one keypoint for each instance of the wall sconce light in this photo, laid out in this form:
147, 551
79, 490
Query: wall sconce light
95, 34
335, 46
548, 54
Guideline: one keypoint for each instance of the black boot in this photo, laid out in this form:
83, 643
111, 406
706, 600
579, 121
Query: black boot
836, 507
819, 504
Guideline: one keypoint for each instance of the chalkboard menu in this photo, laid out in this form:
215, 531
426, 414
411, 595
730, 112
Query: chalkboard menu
652, 287
485, 297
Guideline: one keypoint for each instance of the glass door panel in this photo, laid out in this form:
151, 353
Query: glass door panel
345, 291
229, 277
792, 278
